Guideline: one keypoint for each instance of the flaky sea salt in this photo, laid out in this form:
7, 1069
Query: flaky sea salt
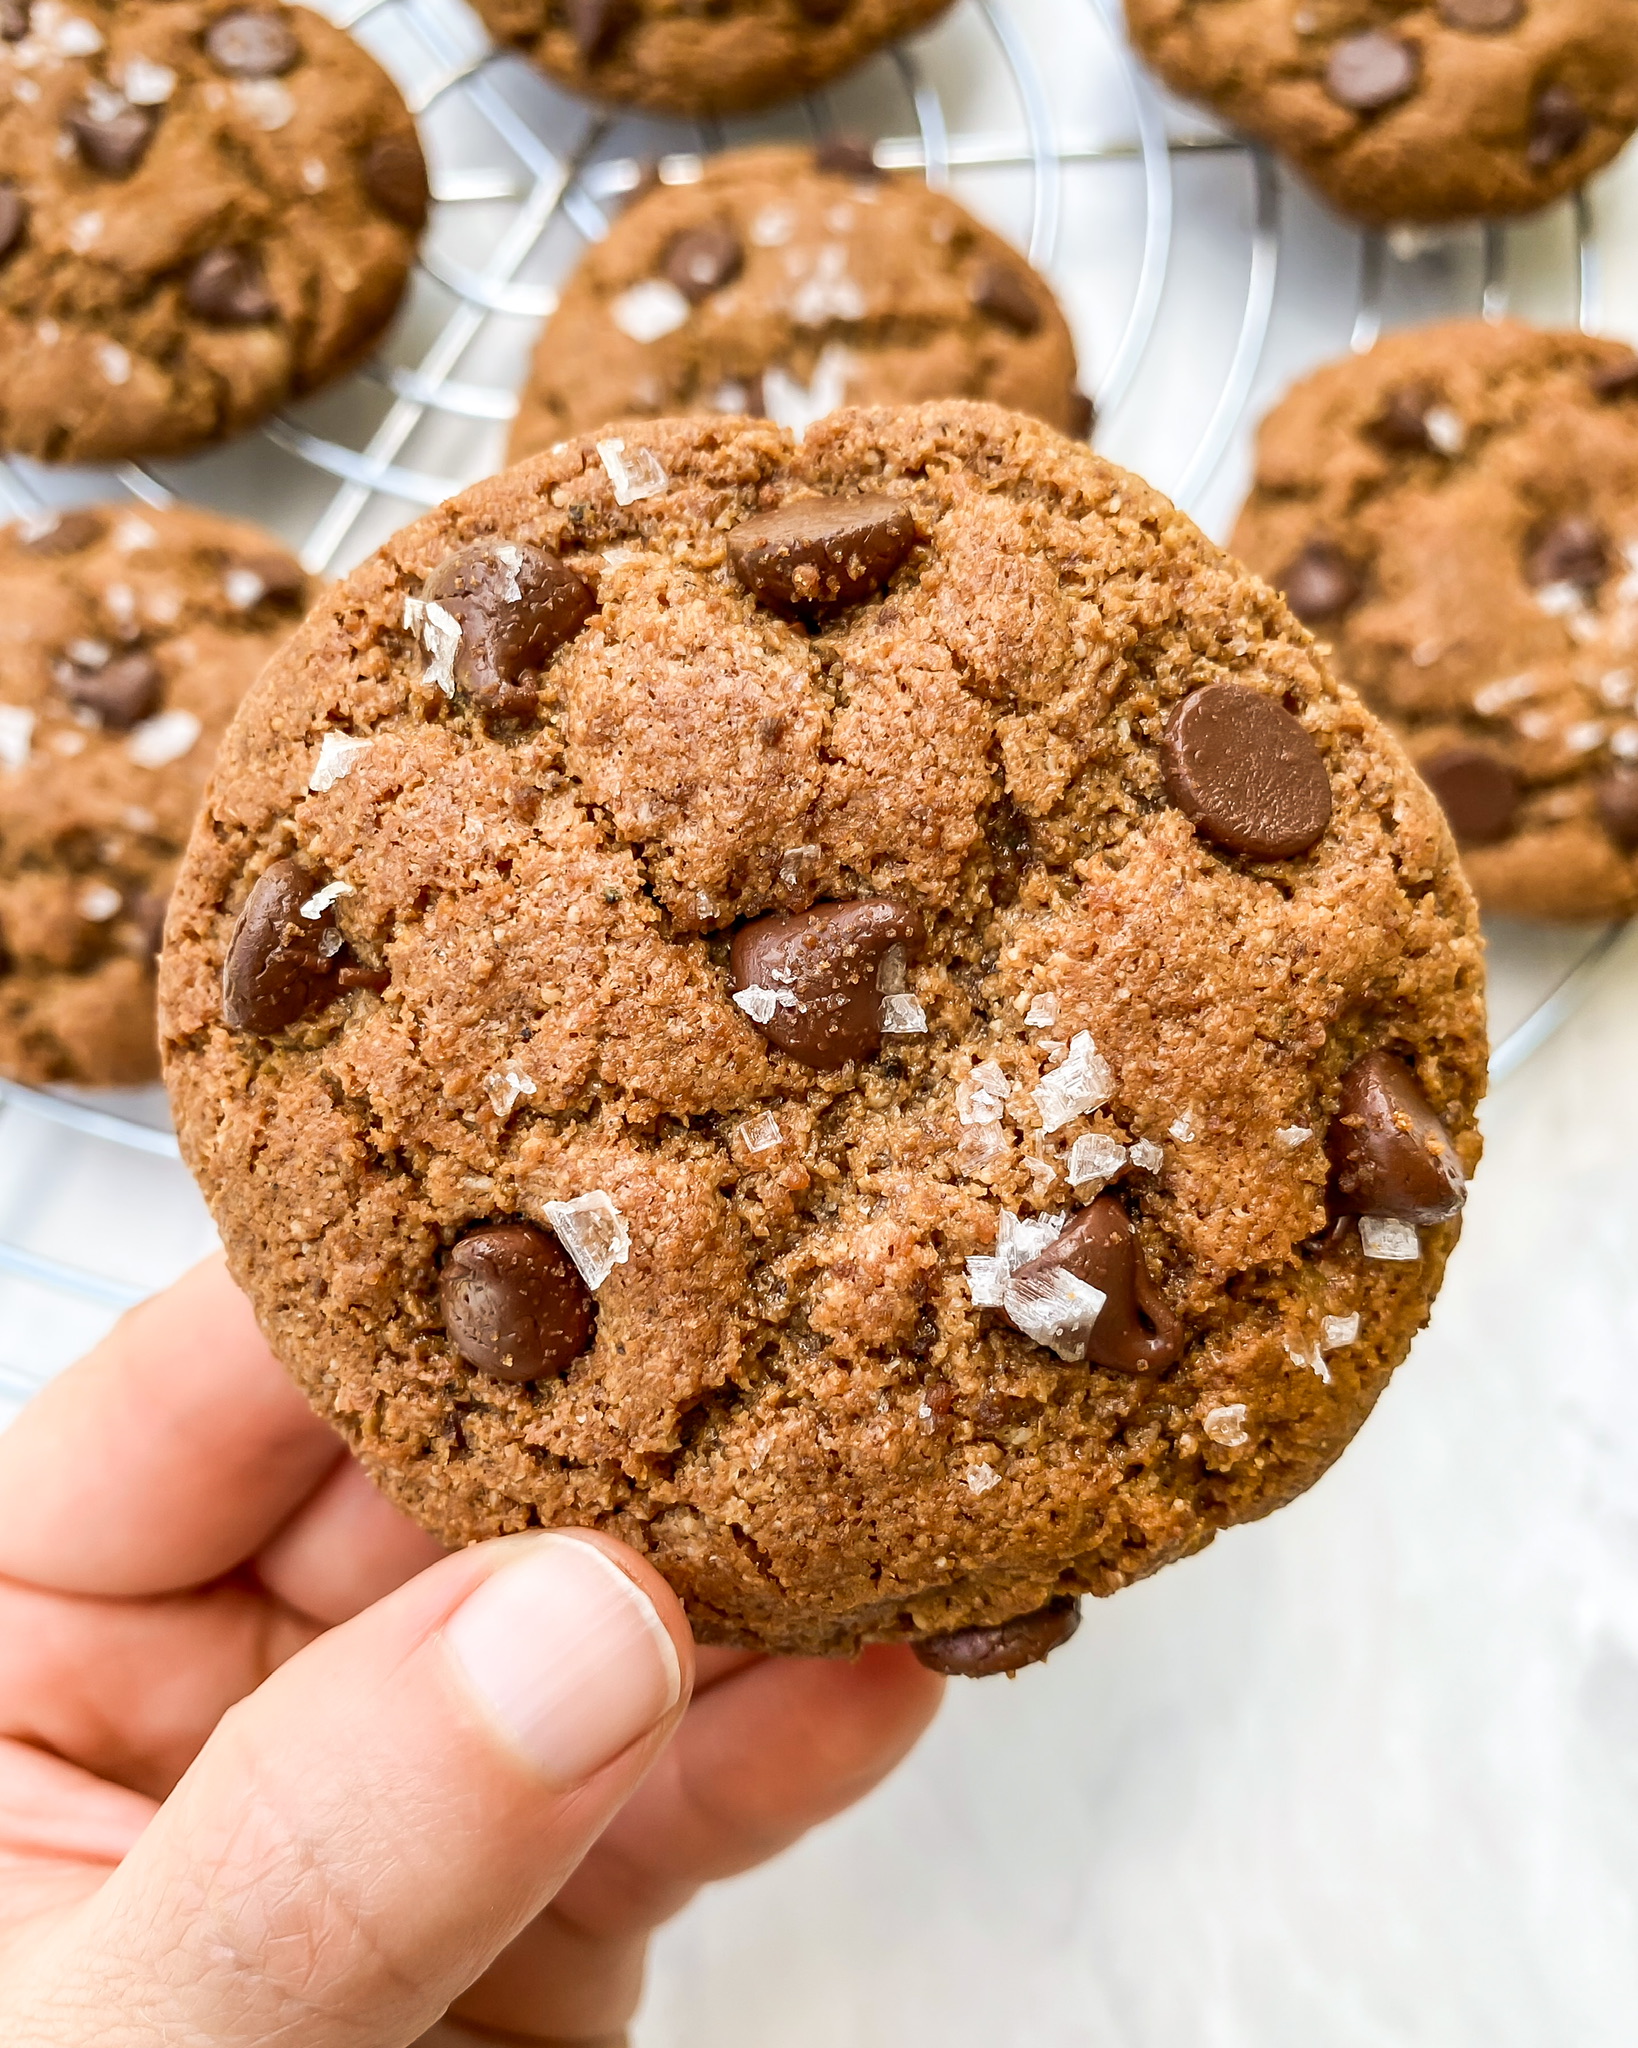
1561, 600
893, 975
790, 403
1083, 1083
1338, 1332
439, 633
1055, 1309
827, 293
1182, 1130
159, 741
980, 1478
97, 902
321, 899
761, 1133
636, 475
339, 753
1388, 1237
980, 1098
903, 1016
759, 1004
1289, 1136
243, 589
1310, 1357
147, 84
1446, 429
647, 311
1042, 1173
114, 362
132, 534
773, 226
506, 1089
1148, 1156
1493, 698
16, 736
1018, 1239
1095, 1159
1227, 1426
266, 101
799, 868
980, 1147
70, 35
593, 1233
1042, 1012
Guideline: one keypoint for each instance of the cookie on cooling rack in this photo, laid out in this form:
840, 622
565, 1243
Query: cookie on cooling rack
786, 282
924, 1055
127, 638
1457, 512
204, 211
675, 57
1429, 110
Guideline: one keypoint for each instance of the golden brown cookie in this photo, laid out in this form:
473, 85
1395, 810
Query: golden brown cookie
205, 210
127, 638
785, 282
1457, 511
864, 1015
1412, 110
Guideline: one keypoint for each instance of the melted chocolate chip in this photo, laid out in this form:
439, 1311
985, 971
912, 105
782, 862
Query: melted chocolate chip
252, 42
845, 158
228, 287
701, 261
1477, 790
986, 1652
1558, 127
1135, 1330
13, 20
1083, 415
821, 966
112, 138
513, 1304
1390, 1155
1320, 583
1618, 807
597, 25
1370, 71
68, 534
999, 292
121, 693
13, 219
1481, 17
395, 177
815, 551
277, 967
1245, 773
516, 605
1402, 424
355, 975
1616, 380
1572, 550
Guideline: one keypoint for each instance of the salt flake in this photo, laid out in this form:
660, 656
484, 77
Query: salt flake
505, 1089
1083, 1083
638, 475
1227, 1426
1095, 1158
980, 1147
439, 633
649, 310
980, 1478
1055, 1309
159, 741
148, 84
1446, 429
758, 1004
1310, 1357
16, 736
1338, 1332
792, 404
338, 755
903, 1016
1042, 1173
98, 902
1182, 1130
114, 362
1147, 1155
243, 589
1389, 1237
1289, 1136
1042, 1012
321, 899
761, 1133
265, 101
593, 1233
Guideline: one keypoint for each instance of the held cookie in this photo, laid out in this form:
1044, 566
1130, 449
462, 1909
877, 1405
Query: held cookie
1457, 512
924, 1056
127, 638
677, 57
205, 210
1435, 110
787, 282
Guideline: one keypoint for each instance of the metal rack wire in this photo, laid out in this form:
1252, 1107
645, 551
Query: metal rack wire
426, 416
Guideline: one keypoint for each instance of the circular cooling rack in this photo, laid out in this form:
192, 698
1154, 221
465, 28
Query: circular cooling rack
1198, 280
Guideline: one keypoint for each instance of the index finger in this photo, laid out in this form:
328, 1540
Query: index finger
165, 1456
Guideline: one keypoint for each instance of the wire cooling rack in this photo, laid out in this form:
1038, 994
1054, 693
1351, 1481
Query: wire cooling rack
1197, 278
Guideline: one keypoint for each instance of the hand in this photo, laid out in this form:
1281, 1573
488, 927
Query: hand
275, 1770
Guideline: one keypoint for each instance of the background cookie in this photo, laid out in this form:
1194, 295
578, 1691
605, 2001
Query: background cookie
127, 638
672, 57
787, 284
1458, 512
613, 718
204, 210
1429, 111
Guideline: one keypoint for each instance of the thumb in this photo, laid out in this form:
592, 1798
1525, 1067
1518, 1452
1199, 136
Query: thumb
364, 1834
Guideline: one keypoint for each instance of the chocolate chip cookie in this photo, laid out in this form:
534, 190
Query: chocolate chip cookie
1412, 110
1457, 512
690, 57
862, 1013
205, 210
785, 282
127, 638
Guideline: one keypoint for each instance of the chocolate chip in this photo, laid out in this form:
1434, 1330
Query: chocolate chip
228, 287
1370, 71
516, 605
147, 913
1481, 17
1558, 127
986, 1652
1135, 1330
252, 42
756, 401
1390, 1155
1477, 790
395, 176
1572, 550
353, 975
1616, 380
1083, 415
813, 551
111, 137
1245, 773
283, 580
513, 1304
1618, 807
278, 967
597, 25
821, 968
68, 534
701, 261
1320, 583
13, 20
843, 157
998, 291
822, 12
1402, 424
13, 219
122, 692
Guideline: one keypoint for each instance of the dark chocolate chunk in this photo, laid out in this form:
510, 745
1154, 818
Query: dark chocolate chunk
815, 551
395, 177
1481, 17
280, 964
513, 1304
283, 581
1245, 773
516, 605
1009, 1646
998, 291
13, 219
1390, 1155
67, 534
1083, 415
1572, 550
356, 975
1616, 380
821, 968
844, 157
111, 137
1478, 791
228, 287
1558, 127
822, 12
1136, 1330
1371, 71
597, 25
1320, 583
1618, 807
147, 913
1402, 424
252, 42
13, 20
121, 693
701, 261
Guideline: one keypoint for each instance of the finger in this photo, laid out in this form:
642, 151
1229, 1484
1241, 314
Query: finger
344, 1549
362, 1836
165, 1456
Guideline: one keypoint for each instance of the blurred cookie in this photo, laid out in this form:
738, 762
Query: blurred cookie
127, 638
1457, 512
786, 282
1434, 110
204, 211
682, 57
